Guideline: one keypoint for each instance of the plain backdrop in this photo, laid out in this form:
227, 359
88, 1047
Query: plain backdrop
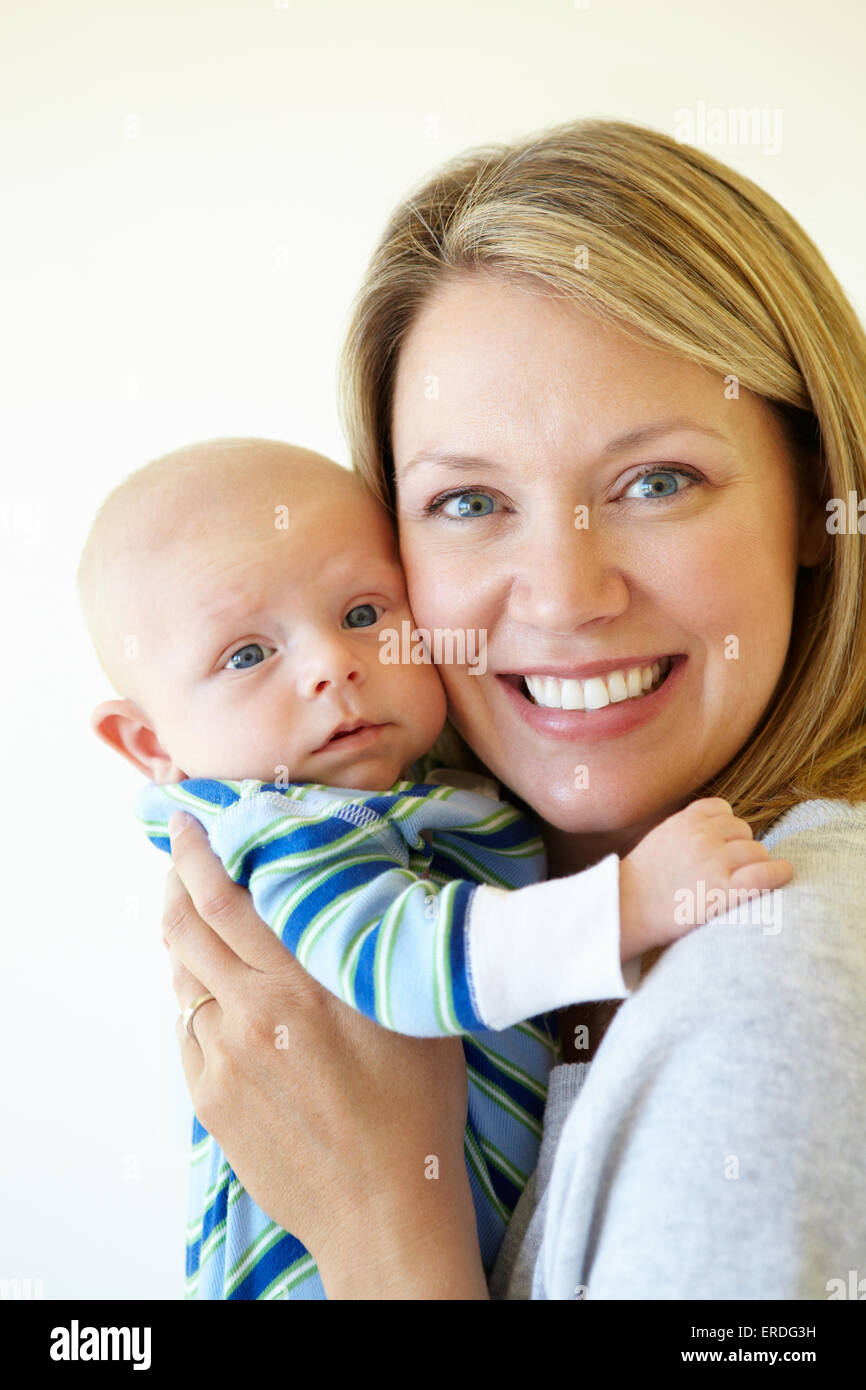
191, 189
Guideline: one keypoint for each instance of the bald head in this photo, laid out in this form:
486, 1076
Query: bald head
175, 504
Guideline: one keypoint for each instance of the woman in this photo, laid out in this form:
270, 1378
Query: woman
612, 391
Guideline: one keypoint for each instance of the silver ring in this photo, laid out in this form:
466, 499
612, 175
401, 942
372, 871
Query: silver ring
190, 1012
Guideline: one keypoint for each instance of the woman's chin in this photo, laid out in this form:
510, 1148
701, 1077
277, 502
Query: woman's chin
574, 807
585, 817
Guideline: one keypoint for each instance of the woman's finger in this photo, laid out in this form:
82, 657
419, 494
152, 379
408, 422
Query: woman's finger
186, 986
191, 941
220, 903
191, 1055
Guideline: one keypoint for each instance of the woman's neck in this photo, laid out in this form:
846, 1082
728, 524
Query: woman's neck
568, 851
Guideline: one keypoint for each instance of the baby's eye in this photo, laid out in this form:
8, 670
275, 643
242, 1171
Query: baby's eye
468, 504
658, 482
250, 655
363, 615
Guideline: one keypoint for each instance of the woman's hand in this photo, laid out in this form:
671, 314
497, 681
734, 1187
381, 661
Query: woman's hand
334, 1125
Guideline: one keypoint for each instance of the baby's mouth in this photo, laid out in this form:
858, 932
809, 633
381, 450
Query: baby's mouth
595, 692
356, 730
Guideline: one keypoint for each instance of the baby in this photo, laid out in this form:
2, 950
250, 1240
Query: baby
240, 595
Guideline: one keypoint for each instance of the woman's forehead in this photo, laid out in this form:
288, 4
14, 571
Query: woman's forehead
476, 409
483, 346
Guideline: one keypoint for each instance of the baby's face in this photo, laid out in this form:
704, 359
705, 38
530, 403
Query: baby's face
262, 642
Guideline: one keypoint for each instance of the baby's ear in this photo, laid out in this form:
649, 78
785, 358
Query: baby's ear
124, 726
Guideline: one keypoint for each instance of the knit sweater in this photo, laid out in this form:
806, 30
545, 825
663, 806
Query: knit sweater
713, 1148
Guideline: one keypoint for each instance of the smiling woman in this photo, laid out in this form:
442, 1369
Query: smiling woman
657, 381
598, 322
672, 574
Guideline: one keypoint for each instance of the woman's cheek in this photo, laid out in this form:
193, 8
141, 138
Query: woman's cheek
734, 603
445, 576
426, 583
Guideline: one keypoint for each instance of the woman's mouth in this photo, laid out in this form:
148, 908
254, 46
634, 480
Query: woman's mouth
625, 683
600, 705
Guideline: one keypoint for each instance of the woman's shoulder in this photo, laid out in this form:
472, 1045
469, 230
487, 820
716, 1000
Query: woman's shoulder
743, 1048
791, 958
834, 823
822, 911
740, 1054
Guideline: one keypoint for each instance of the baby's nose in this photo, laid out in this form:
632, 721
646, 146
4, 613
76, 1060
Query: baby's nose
352, 676
331, 664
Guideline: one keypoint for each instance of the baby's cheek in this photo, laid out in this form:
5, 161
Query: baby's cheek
433, 694
231, 743
422, 701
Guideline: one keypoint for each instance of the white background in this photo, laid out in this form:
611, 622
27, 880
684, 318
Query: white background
190, 193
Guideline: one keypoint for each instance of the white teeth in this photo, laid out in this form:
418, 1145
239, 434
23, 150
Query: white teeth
616, 684
599, 691
572, 695
595, 693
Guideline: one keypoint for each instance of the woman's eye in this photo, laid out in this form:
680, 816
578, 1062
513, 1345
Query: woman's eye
468, 504
363, 615
250, 655
658, 482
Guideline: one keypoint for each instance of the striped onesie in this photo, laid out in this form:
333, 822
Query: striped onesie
423, 933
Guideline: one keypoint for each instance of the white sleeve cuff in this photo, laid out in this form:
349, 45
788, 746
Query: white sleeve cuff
545, 946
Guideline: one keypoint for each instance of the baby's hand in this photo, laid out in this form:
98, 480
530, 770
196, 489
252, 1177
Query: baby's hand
659, 895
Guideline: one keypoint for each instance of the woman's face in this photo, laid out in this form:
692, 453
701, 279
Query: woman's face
520, 430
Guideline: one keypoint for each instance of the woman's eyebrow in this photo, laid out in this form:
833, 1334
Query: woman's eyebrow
644, 434
447, 458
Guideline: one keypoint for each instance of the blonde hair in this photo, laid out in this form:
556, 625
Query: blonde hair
673, 246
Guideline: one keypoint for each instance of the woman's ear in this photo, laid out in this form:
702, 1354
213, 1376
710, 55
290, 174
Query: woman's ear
813, 536
125, 727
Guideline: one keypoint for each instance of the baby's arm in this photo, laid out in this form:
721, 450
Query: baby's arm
432, 958
564, 941
336, 875
393, 927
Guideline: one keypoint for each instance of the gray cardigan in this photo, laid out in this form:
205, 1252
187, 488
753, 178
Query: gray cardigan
715, 1146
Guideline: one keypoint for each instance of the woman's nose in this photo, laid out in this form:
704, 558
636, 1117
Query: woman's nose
564, 576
